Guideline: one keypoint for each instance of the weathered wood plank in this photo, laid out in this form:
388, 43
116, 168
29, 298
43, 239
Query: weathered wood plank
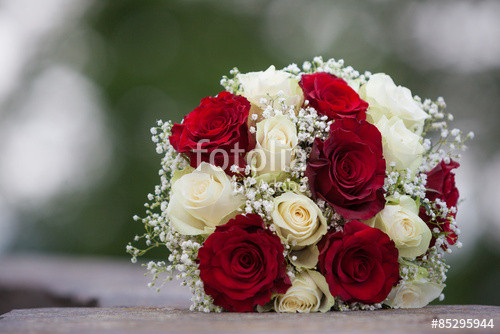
169, 320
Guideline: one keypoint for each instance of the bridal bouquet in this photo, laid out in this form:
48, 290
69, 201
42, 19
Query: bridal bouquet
304, 190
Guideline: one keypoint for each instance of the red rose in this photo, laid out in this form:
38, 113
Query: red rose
441, 184
214, 130
332, 96
360, 263
348, 169
242, 264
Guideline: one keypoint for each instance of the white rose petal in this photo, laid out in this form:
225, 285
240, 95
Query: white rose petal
414, 294
402, 224
202, 200
271, 85
276, 141
298, 220
309, 293
401, 146
306, 258
387, 99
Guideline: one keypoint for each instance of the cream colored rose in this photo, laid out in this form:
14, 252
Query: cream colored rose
276, 141
309, 293
298, 220
401, 147
414, 294
305, 258
268, 85
202, 200
355, 84
402, 224
387, 99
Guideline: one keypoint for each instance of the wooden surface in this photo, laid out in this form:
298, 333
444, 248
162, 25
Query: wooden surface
58, 295
168, 320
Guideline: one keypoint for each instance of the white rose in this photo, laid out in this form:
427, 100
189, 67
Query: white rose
402, 224
355, 84
276, 141
269, 84
202, 200
387, 99
309, 293
401, 147
305, 258
298, 220
414, 294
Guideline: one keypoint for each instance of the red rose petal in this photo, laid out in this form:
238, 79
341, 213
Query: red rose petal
241, 264
359, 264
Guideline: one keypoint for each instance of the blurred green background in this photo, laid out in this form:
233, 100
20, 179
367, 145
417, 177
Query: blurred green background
83, 81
